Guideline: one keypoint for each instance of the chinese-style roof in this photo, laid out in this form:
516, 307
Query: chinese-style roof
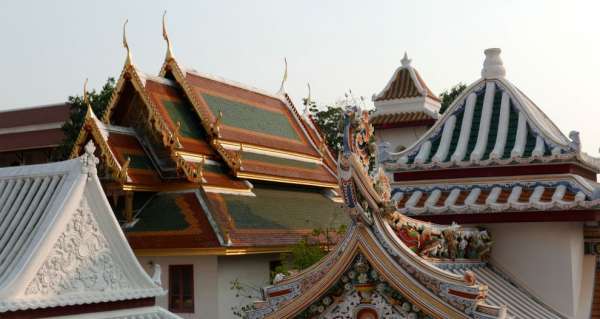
492, 123
494, 151
32, 128
566, 192
60, 244
405, 83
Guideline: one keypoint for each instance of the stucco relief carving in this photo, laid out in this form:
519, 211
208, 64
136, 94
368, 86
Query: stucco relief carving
80, 260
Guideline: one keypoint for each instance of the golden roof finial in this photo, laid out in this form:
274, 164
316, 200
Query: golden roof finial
308, 100
86, 99
176, 135
285, 75
216, 126
239, 159
124, 169
125, 44
166, 37
200, 170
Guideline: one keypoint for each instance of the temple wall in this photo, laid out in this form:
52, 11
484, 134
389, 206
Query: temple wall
251, 270
546, 258
205, 286
404, 136
213, 296
587, 287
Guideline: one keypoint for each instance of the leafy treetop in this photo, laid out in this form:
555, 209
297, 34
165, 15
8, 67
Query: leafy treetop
449, 95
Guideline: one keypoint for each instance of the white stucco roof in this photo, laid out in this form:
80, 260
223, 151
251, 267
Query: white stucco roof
60, 243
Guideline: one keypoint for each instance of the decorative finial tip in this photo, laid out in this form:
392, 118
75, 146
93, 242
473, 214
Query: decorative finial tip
492, 65
125, 44
166, 36
405, 60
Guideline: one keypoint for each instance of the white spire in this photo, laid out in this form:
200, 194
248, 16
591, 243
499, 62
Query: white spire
492, 66
405, 61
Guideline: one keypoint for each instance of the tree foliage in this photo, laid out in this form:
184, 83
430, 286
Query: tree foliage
328, 119
99, 102
449, 95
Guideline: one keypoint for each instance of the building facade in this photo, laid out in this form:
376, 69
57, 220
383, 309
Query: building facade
527, 198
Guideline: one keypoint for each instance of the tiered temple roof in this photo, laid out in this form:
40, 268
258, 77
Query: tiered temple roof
495, 151
232, 165
392, 266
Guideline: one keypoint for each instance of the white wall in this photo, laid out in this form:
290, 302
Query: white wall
587, 287
546, 258
205, 286
252, 270
405, 136
213, 276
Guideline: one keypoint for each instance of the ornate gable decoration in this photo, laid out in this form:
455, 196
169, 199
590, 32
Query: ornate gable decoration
491, 123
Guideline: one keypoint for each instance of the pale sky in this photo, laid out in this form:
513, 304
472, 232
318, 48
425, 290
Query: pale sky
551, 49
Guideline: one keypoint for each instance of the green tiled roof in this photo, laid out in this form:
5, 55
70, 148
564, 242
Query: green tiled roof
278, 160
139, 161
250, 117
513, 121
190, 123
161, 213
284, 208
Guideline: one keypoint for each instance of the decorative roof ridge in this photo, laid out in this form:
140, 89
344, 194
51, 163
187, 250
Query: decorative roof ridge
322, 149
192, 171
98, 133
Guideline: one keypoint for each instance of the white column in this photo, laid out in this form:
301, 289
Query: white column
539, 149
423, 153
442, 151
502, 127
465, 129
484, 123
521, 138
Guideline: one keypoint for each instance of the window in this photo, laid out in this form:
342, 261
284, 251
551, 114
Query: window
181, 288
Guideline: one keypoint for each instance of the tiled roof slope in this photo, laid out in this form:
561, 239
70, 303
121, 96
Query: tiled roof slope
492, 123
568, 192
269, 216
503, 291
60, 243
32, 128
244, 120
405, 83
390, 119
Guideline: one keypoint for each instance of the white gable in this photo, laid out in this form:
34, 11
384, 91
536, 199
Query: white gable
60, 243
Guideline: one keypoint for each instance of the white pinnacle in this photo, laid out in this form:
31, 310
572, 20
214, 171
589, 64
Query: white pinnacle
492, 65
405, 61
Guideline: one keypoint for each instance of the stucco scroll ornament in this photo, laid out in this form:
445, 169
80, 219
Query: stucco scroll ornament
89, 160
80, 260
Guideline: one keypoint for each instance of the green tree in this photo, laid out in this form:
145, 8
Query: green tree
99, 102
328, 120
449, 95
